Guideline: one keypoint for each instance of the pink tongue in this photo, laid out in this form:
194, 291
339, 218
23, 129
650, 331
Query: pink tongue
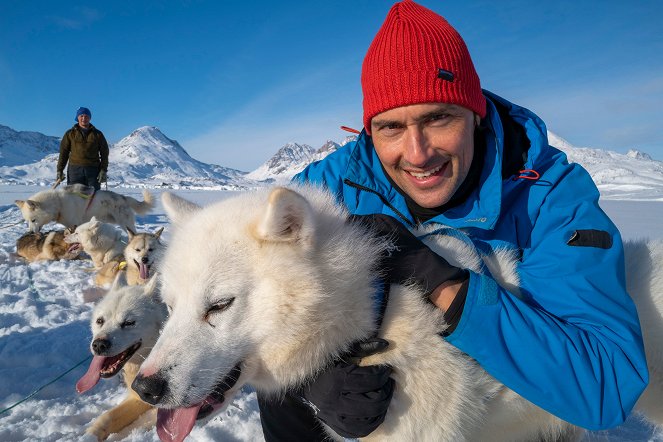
92, 376
175, 425
144, 271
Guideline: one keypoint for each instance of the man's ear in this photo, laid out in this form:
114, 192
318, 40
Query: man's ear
178, 209
477, 120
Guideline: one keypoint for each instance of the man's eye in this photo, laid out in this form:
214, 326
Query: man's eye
438, 118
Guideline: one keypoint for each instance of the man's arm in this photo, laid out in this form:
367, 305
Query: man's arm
571, 343
103, 152
65, 149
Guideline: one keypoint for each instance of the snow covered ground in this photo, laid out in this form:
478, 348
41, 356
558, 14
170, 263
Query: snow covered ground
44, 332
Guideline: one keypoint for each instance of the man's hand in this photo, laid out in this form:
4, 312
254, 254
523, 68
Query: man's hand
102, 176
410, 259
350, 399
59, 176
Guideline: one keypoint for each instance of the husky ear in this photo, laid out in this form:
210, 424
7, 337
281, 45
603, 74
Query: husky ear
119, 281
31, 204
130, 233
158, 233
288, 218
178, 209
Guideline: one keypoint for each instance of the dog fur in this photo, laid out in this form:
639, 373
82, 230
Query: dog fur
47, 246
279, 284
125, 317
139, 259
71, 206
102, 241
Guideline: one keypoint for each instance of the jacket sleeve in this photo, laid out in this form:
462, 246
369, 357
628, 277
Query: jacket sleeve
65, 149
103, 152
571, 341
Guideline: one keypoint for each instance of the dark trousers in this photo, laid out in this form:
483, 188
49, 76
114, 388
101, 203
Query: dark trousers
86, 175
287, 419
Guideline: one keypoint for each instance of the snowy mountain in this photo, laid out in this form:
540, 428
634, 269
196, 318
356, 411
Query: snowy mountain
148, 158
24, 147
292, 159
634, 175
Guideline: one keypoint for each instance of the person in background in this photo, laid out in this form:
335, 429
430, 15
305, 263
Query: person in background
436, 148
85, 148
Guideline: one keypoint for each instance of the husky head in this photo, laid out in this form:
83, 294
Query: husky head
143, 251
35, 214
251, 284
125, 325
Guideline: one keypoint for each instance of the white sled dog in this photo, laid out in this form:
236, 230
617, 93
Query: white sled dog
73, 205
125, 325
102, 241
140, 257
268, 287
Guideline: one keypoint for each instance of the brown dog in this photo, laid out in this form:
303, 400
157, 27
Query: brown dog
47, 246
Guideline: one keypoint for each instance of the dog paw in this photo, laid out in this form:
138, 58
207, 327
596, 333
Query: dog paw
98, 431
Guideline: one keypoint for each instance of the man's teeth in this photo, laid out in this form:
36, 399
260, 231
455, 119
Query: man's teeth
425, 174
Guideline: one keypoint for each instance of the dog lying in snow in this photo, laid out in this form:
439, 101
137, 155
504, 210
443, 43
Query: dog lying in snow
125, 325
75, 205
47, 246
257, 282
102, 241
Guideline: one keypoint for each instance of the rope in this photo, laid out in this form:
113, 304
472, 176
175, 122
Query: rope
45, 385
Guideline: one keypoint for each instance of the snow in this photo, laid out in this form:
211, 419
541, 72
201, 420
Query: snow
44, 331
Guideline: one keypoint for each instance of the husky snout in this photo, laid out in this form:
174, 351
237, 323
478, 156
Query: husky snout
151, 389
101, 346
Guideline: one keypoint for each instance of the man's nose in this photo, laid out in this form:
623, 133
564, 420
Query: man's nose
416, 148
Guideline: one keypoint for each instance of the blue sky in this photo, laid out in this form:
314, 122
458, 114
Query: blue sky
234, 81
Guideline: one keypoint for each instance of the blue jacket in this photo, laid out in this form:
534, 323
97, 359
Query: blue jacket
571, 343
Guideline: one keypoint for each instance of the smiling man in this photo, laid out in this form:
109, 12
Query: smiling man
437, 149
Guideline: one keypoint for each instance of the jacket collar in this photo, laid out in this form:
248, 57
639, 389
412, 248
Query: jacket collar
482, 207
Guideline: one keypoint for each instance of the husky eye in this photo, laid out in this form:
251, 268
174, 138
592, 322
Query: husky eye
100, 321
218, 307
33, 220
128, 323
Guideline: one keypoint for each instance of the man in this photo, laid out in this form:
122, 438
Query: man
438, 149
86, 150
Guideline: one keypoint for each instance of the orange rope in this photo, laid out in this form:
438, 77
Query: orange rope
349, 129
527, 174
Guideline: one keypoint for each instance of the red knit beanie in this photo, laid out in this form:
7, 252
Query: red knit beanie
417, 57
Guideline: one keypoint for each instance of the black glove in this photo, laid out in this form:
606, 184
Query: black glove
409, 259
350, 399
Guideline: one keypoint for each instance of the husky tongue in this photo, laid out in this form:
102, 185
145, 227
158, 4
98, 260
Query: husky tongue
175, 425
92, 376
144, 271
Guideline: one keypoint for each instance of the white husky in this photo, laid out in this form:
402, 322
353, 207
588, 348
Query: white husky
125, 325
277, 283
72, 206
102, 241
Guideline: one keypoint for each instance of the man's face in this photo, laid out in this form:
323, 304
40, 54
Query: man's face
426, 149
83, 120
